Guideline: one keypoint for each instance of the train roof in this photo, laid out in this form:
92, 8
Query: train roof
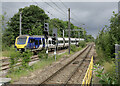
49, 38
22, 36
60, 38
66, 38
72, 38
31, 36
37, 36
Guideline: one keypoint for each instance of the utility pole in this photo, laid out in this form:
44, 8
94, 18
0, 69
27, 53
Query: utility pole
63, 33
69, 27
118, 8
20, 22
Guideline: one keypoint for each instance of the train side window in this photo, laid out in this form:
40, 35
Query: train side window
32, 40
66, 41
36, 42
60, 41
49, 42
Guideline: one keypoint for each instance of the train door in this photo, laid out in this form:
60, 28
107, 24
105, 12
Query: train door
36, 44
43, 40
40, 44
32, 43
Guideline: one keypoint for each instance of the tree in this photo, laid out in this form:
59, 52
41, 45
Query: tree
109, 36
32, 23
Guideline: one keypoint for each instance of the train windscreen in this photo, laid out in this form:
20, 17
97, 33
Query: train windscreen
21, 40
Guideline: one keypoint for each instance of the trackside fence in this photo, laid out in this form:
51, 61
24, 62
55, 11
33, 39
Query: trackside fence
88, 76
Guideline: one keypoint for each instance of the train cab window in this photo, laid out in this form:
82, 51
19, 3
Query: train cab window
36, 42
21, 40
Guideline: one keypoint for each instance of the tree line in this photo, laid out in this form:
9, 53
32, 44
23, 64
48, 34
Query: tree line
33, 18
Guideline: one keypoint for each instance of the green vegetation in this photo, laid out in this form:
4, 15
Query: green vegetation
108, 37
32, 23
26, 58
105, 47
16, 56
74, 48
7, 51
89, 38
42, 54
82, 44
107, 77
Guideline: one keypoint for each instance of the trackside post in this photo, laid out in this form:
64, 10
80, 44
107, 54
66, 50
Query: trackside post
54, 40
117, 59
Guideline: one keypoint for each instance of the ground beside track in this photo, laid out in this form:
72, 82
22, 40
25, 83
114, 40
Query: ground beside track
37, 76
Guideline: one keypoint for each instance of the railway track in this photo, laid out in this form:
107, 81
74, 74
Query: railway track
66, 72
4, 67
5, 62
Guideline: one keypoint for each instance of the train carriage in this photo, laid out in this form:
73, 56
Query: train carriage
24, 42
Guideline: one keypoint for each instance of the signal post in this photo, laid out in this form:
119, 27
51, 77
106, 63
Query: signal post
54, 41
46, 33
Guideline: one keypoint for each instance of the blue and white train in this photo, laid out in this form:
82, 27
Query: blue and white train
24, 42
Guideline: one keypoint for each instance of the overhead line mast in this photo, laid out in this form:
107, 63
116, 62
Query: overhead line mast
69, 27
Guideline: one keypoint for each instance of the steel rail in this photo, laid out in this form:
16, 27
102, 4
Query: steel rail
66, 82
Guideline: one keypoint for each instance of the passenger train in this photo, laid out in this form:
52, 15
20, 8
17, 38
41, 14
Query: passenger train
24, 42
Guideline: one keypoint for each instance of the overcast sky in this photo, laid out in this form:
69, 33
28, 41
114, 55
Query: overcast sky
93, 14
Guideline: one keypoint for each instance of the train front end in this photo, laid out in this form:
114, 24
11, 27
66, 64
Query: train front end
21, 42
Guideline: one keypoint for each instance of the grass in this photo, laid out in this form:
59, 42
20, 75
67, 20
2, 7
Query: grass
7, 52
109, 68
39, 65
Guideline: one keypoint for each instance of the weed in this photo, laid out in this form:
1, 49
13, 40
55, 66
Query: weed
82, 44
105, 78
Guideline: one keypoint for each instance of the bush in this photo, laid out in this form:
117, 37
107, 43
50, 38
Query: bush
82, 44
73, 48
42, 54
26, 58
14, 57
105, 78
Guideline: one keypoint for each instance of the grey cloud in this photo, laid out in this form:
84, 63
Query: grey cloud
93, 14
